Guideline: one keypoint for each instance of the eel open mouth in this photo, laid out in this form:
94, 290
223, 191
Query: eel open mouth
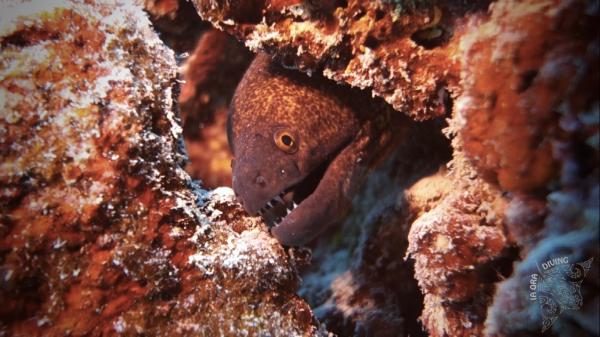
284, 203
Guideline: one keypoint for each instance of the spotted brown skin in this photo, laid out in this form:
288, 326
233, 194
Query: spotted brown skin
301, 147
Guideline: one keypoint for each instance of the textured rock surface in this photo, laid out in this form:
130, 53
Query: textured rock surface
548, 161
535, 136
359, 281
177, 23
522, 185
102, 232
512, 126
211, 65
403, 51
460, 249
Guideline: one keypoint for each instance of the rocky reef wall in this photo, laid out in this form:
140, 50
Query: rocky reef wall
104, 131
103, 233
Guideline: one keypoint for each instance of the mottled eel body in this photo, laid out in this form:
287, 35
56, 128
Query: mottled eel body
301, 147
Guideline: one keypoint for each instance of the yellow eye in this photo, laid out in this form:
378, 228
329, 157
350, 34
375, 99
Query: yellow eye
285, 141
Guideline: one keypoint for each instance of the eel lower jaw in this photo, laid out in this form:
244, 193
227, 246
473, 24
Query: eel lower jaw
285, 203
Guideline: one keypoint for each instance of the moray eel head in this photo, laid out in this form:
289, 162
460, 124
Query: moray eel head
275, 171
286, 132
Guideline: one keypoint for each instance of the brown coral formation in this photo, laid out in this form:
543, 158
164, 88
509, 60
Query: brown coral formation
524, 134
359, 282
535, 134
543, 54
102, 232
460, 249
403, 51
524, 78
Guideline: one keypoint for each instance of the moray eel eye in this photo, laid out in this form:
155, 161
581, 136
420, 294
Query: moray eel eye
285, 141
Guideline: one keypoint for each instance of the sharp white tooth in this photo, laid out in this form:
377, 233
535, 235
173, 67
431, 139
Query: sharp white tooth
288, 211
294, 205
279, 199
269, 204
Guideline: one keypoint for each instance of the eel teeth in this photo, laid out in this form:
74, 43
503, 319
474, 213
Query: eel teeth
292, 207
274, 201
278, 199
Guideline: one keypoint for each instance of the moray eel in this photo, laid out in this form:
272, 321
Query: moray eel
301, 146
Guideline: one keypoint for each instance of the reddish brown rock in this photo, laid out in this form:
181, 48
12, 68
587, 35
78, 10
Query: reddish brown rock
162, 8
102, 231
460, 250
524, 68
403, 51
534, 133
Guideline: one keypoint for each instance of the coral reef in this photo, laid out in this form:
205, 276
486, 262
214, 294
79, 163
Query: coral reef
359, 282
460, 250
403, 51
521, 79
510, 126
102, 232
536, 135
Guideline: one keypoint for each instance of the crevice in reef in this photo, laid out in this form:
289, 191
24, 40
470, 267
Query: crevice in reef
359, 279
177, 23
28, 37
213, 64
361, 262
431, 38
102, 232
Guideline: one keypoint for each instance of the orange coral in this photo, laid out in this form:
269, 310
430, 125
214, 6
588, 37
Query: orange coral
382, 46
102, 231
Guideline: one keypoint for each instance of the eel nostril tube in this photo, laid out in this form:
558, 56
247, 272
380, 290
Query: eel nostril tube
261, 181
